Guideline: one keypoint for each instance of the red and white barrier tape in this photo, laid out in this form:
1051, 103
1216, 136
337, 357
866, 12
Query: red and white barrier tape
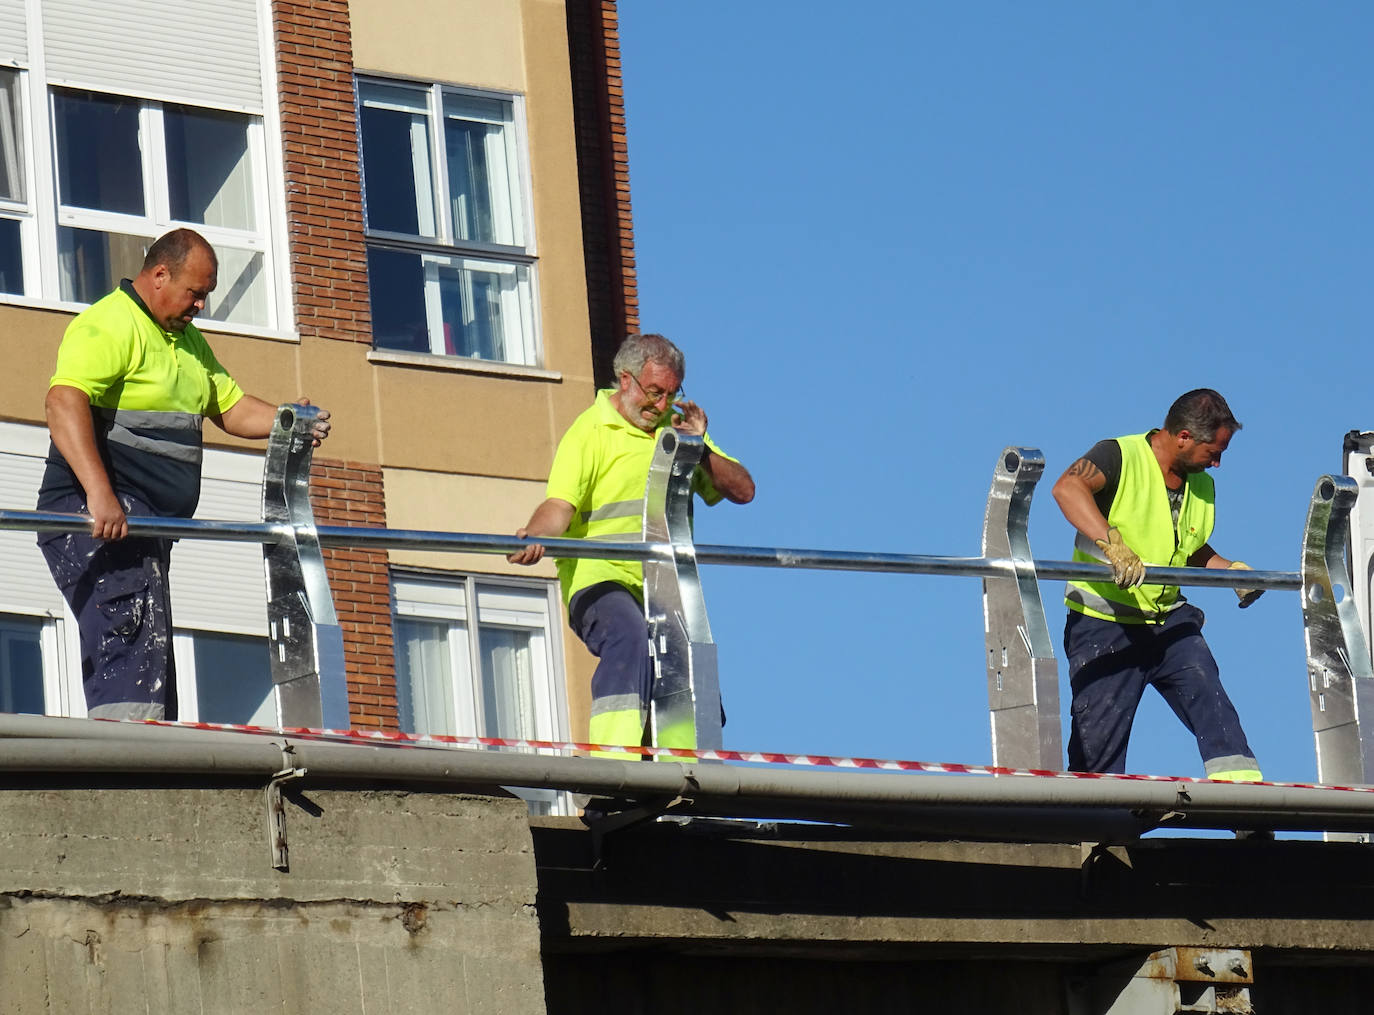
384, 738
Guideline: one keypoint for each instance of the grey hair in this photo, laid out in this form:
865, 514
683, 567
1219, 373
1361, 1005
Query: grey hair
637, 350
1202, 412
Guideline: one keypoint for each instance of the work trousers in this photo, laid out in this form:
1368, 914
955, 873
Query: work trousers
610, 621
1110, 666
119, 593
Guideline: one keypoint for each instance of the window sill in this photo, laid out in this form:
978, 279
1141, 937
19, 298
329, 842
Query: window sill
462, 365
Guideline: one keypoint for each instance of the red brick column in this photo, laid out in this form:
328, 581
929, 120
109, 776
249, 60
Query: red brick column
324, 214
350, 493
603, 167
324, 205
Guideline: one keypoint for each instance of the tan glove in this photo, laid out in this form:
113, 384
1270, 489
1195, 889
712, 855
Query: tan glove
1246, 596
1128, 570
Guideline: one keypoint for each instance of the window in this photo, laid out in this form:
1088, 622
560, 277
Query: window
21, 665
14, 206
129, 169
224, 678
492, 674
450, 256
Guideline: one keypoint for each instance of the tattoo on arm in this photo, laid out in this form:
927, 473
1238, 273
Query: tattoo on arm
1088, 472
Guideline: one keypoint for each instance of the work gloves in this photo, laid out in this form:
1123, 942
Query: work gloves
1246, 596
1128, 570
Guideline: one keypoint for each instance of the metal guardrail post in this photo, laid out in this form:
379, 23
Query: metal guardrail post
1340, 677
304, 634
1023, 679
686, 682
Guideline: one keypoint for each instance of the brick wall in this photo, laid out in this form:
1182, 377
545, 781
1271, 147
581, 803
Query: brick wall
324, 205
604, 177
328, 256
350, 493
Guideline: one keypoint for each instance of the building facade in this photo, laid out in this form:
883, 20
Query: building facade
421, 212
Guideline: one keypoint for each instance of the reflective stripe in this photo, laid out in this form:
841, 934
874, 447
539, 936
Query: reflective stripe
615, 509
1082, 595
625, 726
618, 703
174, 435
1233, 768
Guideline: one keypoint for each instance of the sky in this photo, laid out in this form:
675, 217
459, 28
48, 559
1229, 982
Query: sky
894, 238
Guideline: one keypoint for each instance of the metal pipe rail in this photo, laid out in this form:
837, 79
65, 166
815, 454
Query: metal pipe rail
1042, 808
1021, 670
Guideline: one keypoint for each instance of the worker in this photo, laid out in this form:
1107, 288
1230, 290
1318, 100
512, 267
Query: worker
596, 491
134, 379
1138, 501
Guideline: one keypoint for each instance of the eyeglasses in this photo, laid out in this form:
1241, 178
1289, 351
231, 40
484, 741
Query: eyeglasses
654, 395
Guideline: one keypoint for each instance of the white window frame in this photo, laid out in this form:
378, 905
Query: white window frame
41, 220
448, 597
438, 245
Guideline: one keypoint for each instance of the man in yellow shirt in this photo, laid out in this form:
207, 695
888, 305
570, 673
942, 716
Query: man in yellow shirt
596, 491
134, 379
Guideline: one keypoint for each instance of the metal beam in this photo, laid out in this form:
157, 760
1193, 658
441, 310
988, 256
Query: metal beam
1023, 679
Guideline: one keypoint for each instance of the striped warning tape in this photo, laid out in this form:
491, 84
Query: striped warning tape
396, 739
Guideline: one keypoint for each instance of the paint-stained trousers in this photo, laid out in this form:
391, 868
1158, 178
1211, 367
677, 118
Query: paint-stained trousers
1110, 665
119, 593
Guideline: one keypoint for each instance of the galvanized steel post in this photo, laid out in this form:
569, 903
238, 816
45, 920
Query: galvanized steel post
304, 634
1023, 679
1339, 672
686, 682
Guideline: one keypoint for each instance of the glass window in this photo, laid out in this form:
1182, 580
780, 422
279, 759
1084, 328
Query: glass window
21, 665
233, 679
99, 159
454, 276
209, 174
11, 138
128, 170
90, 263
11, 257
488, 675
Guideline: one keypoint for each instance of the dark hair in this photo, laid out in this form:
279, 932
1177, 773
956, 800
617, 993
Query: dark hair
172, 249
637, 350
1202, 412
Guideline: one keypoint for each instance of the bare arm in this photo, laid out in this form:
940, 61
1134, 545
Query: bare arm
550, 518
731, 478
1074, 492
251, 417
68, 411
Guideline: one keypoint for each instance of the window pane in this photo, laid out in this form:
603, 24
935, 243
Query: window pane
396, 286
486, 309
397, 178
234, 679
11, 138
240, 297
424, 680
11, 258
21, 665
480, 187
208, 171
99, 164
508, 708
91, 263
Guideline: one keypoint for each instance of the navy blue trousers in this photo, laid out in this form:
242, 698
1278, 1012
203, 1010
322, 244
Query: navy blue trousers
119, 593
610, 621
1110, 665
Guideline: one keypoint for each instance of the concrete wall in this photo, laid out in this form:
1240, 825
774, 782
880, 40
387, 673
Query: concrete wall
165, 900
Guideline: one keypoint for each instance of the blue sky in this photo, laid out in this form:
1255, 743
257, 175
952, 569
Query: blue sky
894, 238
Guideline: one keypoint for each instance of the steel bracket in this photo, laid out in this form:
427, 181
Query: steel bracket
685, 708
304, 636
1340, 677
1023, 678
276, 811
